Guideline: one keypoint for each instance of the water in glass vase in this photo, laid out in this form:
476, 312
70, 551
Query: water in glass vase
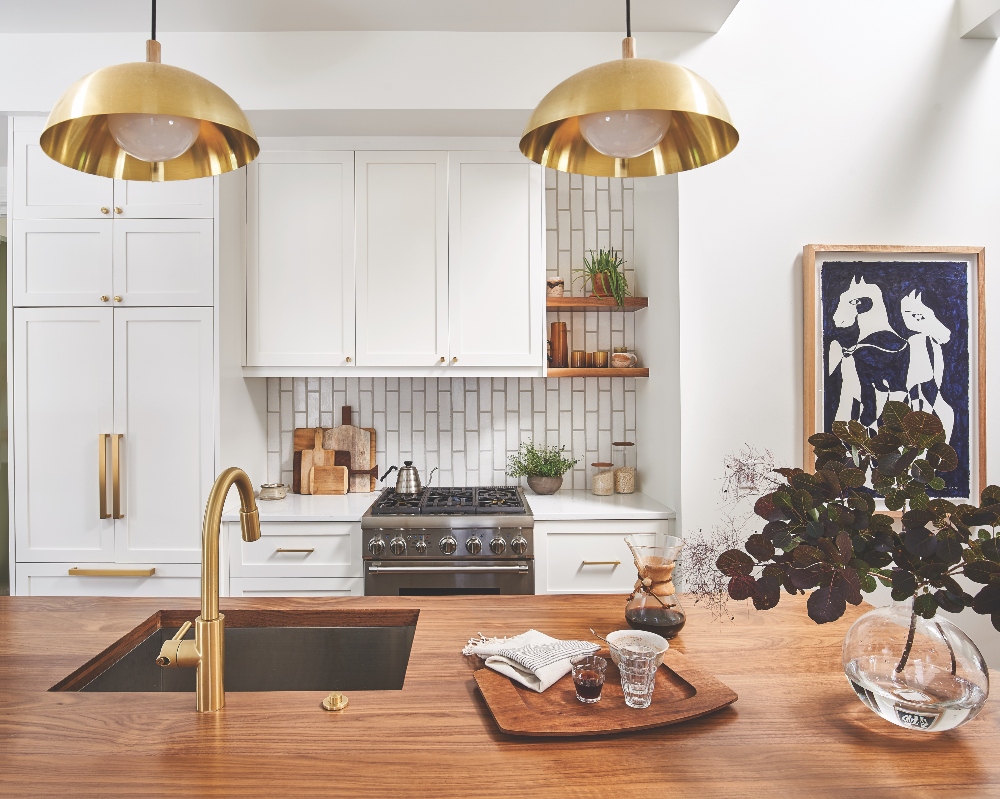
662, 621
941, 702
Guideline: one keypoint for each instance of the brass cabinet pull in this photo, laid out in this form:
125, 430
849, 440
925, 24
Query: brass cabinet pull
602, 563
304, 551
441, 359
77, 572
116, 485
102, 473
348, 359
118, 298
455, 359
118, 209
105, 210
105, 298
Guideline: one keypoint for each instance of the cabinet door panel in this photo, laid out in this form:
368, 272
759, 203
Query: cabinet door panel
402, 258
300, 259
169, 199
589, 563
164, 394
164, 261
62, 402
53, 579
496, 266
61, 262
45, 189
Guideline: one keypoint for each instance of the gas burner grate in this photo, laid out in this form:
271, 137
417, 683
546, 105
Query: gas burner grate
498, 499
465, 501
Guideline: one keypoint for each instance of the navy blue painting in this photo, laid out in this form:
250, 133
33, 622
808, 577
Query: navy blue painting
899, 331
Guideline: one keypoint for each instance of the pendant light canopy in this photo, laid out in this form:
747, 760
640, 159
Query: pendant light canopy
635, 117
148, 121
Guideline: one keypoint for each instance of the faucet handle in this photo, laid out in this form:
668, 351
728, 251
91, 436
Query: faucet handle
171, 655
182, 631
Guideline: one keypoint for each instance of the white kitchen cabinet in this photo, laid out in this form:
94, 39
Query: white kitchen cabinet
62, 397
300, 259
302, 586
164, 406
45, 189
107, 579
98, 262
496, 268
402, 258
298, 549
164, 261
170, 199
88, 381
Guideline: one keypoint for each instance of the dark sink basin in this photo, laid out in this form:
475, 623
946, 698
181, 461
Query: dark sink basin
366, 650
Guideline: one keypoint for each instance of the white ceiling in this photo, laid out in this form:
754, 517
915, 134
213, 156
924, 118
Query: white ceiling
107, 16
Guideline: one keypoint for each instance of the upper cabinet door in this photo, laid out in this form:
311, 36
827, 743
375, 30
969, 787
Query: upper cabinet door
171, 199
163, 261
62, 404
61, 261
300, 259
164, 397
497, 271
45, 189
402, 205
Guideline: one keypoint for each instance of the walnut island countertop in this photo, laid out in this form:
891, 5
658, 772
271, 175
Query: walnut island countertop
796, 731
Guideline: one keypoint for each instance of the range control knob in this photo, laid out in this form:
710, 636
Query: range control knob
420, 546
497, 546
448, 545
519, 545
397, 546
474, 546
376, 546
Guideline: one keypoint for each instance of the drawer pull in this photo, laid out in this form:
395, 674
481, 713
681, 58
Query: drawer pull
602, 563
304, 551
77, 572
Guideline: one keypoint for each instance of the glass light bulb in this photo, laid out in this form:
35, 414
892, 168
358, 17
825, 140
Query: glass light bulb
625, 134
153, 137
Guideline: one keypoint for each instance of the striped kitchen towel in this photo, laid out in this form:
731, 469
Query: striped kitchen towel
534, 659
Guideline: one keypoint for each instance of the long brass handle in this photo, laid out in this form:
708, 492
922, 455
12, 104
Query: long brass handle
602, 563
102, 473
77, 572
305, 551
116, 485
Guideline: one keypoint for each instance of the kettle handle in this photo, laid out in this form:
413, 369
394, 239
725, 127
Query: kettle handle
382, 478
430, 478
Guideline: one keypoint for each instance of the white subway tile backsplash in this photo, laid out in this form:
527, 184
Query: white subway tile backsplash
469, 427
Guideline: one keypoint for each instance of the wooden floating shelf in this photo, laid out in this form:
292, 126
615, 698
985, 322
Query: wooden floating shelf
632, 371
594, 304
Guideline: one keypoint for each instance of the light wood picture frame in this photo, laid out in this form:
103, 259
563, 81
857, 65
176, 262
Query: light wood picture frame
898, 322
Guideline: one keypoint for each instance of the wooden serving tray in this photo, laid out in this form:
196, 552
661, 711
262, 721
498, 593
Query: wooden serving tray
681, 692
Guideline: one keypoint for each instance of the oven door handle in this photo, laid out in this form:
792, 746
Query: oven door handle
377, 568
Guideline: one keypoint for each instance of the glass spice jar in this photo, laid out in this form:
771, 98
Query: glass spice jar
602, 479
624, 457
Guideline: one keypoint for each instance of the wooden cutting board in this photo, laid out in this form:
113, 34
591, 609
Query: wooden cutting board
358, 442
374, 454
328, 480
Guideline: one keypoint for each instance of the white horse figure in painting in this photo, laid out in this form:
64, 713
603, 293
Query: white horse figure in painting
873, 371
926, 370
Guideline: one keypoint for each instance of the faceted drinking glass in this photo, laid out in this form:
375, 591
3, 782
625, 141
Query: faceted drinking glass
588, 676
637, 665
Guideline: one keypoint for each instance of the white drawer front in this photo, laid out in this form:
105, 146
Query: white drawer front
53, 579
297, 586
298, 549
589, 563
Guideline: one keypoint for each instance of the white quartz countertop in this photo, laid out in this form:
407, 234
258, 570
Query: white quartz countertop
563, 505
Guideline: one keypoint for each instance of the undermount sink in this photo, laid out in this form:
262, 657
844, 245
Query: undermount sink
290, 650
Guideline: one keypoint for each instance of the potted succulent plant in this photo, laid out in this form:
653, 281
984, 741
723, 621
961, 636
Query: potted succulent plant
606, 273
543, 466
823, 535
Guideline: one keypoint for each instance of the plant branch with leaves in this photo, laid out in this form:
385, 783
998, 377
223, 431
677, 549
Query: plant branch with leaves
532, 461
607, 266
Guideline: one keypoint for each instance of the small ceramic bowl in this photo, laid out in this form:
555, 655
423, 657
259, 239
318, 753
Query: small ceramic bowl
633, 637
273, 491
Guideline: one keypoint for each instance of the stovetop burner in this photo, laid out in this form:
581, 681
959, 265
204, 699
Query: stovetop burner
457, 501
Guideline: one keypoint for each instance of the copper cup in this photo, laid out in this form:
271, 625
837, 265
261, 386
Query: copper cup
560, 346
590, 360
600, 360
578, 359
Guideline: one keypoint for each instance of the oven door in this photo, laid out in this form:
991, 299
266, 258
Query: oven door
449, 578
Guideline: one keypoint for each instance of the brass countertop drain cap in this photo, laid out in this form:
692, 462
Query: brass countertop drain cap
334, 701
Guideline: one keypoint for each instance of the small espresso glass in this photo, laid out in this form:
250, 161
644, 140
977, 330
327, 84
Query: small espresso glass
588, 676
637, 665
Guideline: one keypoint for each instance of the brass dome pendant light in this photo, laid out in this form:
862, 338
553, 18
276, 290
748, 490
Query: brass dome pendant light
148, 121
635, 117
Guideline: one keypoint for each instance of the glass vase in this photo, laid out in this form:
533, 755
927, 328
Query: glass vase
920, 674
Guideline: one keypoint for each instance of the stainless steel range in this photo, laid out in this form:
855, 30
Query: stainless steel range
446, 541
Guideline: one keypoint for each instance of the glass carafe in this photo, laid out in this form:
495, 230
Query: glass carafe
654, 605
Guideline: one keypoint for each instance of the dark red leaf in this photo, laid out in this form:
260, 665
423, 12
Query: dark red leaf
850, 584
759, 547
845, 547
734, 562
767, 592
826, 604
741, 587
988, 600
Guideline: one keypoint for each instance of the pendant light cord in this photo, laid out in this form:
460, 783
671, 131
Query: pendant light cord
628, 17
153, 36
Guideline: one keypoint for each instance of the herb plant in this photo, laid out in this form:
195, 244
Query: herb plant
611, 265
823, 533
532, 461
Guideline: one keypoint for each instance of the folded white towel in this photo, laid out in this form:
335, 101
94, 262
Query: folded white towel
534, 659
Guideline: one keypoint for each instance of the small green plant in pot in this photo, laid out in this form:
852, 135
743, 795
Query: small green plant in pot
543, 466
606, 273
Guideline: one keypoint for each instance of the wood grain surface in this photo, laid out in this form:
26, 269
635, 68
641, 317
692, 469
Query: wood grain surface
796, 731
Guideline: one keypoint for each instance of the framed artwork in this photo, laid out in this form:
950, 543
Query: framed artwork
898, 323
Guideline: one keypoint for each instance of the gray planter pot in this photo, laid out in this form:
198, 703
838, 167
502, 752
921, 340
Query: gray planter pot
544, 485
